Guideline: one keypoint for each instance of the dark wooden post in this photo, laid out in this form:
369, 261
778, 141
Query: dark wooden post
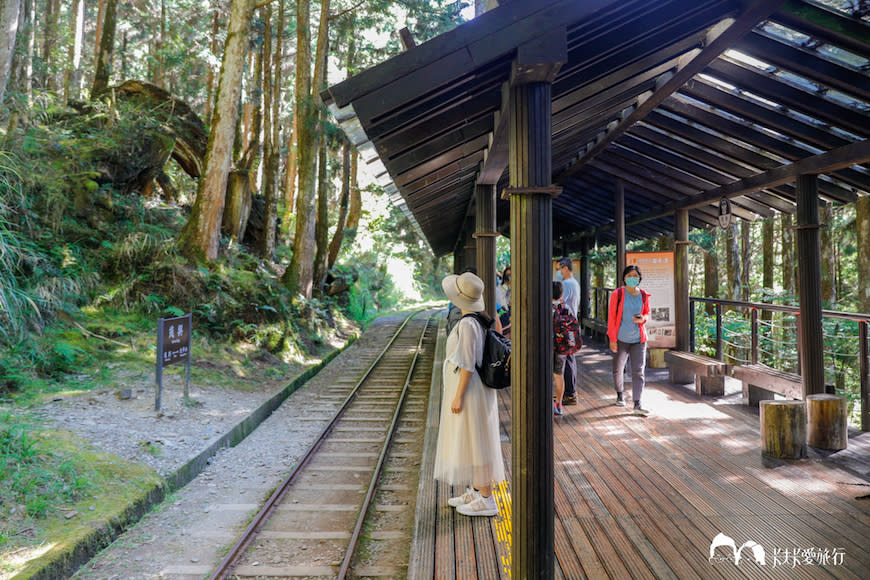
692, 325
864, 366
584, 280
471, 246
753, 353
619, 220
459, 257
530, 194
681, 279
809, 286
485, 236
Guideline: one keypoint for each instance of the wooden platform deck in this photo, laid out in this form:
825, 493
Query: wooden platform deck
645, 497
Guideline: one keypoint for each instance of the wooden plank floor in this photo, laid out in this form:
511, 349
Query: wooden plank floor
644, 497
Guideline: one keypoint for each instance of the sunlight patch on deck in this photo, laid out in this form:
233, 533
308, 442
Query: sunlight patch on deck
663, 406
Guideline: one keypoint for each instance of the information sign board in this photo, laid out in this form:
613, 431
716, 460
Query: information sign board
173, 346
657, 270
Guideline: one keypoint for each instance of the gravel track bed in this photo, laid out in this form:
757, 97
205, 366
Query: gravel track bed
185, 536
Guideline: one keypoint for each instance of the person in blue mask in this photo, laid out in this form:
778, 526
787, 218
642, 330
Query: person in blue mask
627, 314
571, 299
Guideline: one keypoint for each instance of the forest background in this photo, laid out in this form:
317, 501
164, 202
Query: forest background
159, 157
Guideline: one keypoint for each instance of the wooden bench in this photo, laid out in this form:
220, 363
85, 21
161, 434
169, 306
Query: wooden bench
707, 373
597, 327
761, 382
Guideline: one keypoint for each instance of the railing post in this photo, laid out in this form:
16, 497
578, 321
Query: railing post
718, 331
864, 366
691, 324
798, 326
753, 355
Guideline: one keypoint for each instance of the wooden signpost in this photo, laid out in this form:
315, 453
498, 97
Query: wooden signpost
173, 346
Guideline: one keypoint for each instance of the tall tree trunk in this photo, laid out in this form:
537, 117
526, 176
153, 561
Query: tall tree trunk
862, 222
22, 61
49, 41
104, 56
72, 86
350, 205
338, 236
242, 180
318, 83
273, 162
299, 275
158, 73
267, 247
322, 225
213, 45
354, 210
733, 263
746, 245
787, 260
711, 276
125, 37
828, 259
290, 178
767, 261
201, 234
665, 243
98, 33
9, 13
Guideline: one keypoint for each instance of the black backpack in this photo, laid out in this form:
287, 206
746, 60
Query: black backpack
495, 372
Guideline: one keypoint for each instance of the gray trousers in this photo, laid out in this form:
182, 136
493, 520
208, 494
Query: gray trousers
637, 352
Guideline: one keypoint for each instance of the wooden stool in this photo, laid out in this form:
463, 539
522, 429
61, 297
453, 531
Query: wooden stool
783, 429
827, 422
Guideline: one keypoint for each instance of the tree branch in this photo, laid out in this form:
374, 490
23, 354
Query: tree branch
343, 12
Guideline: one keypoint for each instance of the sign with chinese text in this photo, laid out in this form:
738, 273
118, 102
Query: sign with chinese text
657, 273
175, 333
173, 346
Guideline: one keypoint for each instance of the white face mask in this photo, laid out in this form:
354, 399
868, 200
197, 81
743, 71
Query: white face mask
558, 276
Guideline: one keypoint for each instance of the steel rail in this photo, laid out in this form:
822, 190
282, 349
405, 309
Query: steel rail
373, 484
266, 511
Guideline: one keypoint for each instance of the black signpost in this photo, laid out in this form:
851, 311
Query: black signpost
173, 346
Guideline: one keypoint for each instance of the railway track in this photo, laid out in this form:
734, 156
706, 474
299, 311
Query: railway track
346, 509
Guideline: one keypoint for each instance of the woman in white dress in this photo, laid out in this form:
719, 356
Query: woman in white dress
469, 446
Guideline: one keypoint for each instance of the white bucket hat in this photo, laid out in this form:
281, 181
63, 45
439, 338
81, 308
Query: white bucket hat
464, 291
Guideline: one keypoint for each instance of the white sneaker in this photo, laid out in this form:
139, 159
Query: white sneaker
469, 496
482, 506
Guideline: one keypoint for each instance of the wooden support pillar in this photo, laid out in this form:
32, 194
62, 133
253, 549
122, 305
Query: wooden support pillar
485, 236
530, 123
459, 257
809, 286
532, 546
585, 286
469, 246
681, 279
864, 368
619, 221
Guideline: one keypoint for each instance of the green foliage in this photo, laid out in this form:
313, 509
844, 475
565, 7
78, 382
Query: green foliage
34, 476
373, 291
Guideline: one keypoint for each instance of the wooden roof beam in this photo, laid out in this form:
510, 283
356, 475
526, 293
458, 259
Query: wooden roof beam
719, 39
846, 156
495, 158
